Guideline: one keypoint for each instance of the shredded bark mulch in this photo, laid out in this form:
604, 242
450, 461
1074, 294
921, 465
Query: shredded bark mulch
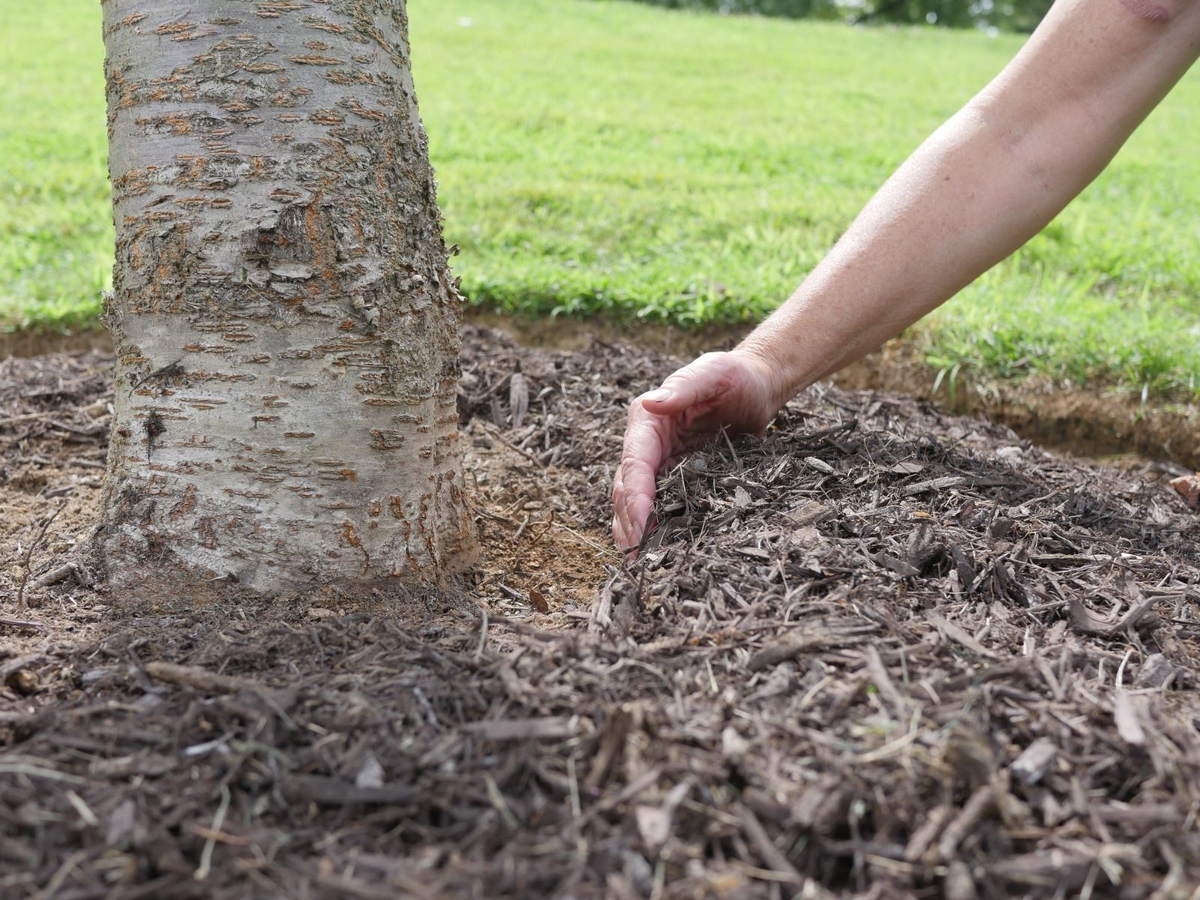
880, 652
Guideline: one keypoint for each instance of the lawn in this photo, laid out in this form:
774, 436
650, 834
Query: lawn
611, 158
55, 219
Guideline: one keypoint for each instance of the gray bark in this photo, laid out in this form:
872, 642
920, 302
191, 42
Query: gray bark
285, 322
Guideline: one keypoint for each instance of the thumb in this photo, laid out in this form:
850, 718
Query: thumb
698, 382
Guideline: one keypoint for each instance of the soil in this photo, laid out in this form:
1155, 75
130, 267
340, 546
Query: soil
1103, 423
880, 652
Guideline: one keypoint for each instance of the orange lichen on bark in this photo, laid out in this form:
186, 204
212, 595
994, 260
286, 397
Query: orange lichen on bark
252, 495
423, 523
358, 109
186, 504
386, 439
179, 124
276, 9
323, 25
350, 538
126, 22
208, 535
175, 27
324, 259
126, 91
314, 60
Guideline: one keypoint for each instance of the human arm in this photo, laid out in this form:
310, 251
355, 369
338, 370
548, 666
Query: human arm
972, 193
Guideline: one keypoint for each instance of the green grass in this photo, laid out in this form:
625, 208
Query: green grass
55, 223
612, 158
682, 166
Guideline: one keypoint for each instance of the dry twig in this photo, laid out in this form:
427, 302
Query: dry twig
29, 555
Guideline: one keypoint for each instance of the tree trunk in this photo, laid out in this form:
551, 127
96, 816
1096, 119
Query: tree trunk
286, 327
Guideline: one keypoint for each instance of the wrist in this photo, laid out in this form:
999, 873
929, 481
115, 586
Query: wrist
808, 338
770, 372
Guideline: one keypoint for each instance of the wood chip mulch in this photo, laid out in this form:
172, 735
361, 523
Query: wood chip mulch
879, 653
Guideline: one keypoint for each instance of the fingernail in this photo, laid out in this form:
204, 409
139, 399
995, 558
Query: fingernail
662, 395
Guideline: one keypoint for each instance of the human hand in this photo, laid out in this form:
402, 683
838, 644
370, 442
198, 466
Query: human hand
738, 390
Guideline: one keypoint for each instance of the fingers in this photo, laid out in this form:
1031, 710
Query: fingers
663, 424
633, 504
649, 442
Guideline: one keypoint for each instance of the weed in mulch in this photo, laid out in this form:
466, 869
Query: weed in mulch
878, 653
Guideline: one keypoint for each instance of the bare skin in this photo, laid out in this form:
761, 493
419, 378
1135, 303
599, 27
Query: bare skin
977, 189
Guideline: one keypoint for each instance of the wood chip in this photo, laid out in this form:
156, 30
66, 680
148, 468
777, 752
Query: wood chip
202, 679
1125, 715
819, 464
1035, 761
518, 399
933, 484
960, 636
336, 792
551, 728
806, 642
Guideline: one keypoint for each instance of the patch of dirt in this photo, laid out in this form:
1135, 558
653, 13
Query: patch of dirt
44, 343
539, 494
1096, 424
882, 652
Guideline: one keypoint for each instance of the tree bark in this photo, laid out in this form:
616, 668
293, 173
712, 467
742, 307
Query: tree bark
286, 327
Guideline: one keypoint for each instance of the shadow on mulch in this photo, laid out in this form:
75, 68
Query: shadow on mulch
879, 653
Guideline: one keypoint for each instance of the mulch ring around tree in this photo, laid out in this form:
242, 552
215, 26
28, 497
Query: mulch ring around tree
880, 652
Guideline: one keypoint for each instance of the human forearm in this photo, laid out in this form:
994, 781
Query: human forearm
953, 210
981, 186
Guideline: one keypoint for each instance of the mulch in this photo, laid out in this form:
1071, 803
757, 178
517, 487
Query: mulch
880, 652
